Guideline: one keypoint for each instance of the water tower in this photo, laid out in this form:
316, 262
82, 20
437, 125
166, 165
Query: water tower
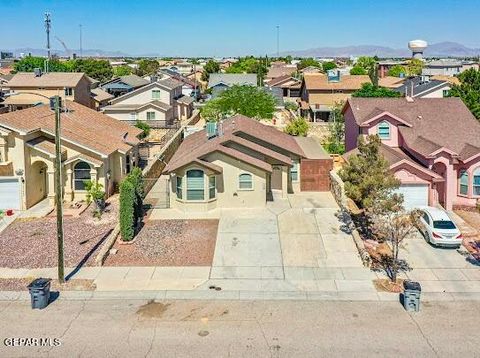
417, 47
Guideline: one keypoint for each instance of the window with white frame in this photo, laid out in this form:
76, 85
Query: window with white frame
150, 116
81, 173
68, 91
211, 187
383, 130
463, 182
245, 181
133, 116
155, 94
179, 187
476, 182
195, 185
294, 171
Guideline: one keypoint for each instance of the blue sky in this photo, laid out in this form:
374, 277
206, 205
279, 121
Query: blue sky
232, 28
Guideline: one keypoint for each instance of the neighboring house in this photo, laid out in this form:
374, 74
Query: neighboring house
432, 144
124, 84
190, 87
424, 87
385, 66
447, 67
244, 163
321, 92
289, 86
280, 70
160, 104
94, 147
310, 69
391, 82
100, 98
70, 86
219, 82
183, 68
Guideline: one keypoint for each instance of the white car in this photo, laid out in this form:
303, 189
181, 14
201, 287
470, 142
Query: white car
437, 227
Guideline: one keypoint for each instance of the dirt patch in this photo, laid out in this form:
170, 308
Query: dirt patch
153, 309
472, 217
20, 284
169, 243
33, 243
385, 285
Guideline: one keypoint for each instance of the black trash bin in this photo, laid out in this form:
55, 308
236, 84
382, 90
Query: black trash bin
39, 292
411, 295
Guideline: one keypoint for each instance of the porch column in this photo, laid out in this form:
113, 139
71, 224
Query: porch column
94, 174
51, 186
3, 149
69, 184
285, 180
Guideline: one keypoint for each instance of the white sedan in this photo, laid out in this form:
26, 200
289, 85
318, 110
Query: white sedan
437, 227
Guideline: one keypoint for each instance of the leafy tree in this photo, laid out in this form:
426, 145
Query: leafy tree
367, 176
250, 65
144, 127
211, 66
327, 66
122, 71
369, 90
397, 70
414, 67
469, 90
292, 106
307, 62
100, 70
147, 66
335, 141
366, 63
194, 61
250, 101
29, 63
297, 127
357, 70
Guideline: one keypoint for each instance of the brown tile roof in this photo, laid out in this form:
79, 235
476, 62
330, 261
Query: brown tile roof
280, 70
46, 80
186, 100
319, 81
435, 122
45, 145
100, 95
390, 82
80, 125
242, 131
85, 158
284, 81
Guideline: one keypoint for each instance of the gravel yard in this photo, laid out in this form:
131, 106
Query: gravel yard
33, 243
169, 243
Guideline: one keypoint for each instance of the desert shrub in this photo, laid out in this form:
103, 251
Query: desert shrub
127, 210
297, 127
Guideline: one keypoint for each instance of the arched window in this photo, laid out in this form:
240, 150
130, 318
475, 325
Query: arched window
476, 182
81, 173
384, 130
245, 181
463, 182
195, 185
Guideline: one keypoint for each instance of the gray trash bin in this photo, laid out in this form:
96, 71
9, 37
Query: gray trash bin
39, 292
411, 296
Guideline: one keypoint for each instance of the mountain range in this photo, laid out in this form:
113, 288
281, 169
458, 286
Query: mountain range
441, 49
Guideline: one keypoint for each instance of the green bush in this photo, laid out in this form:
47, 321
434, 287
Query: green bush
292, 106
357, 70
127, 210
297, 127
144, 127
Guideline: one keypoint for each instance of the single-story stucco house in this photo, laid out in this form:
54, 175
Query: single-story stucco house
241, 162
432, 145
94, 147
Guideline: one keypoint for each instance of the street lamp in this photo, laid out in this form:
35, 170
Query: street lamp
55, 105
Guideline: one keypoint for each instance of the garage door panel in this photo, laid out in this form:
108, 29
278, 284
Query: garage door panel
9, 193
414, 195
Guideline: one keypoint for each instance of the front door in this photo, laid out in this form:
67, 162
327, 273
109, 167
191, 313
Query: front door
276, 177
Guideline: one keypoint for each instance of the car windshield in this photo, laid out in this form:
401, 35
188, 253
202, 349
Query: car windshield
444, 224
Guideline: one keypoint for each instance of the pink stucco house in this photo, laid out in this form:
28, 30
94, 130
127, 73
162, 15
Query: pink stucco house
432, 145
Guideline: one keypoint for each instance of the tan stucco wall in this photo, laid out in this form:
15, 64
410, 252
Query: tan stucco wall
146, 96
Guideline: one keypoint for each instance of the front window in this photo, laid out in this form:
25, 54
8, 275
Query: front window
294, 171
179, 187
195, 185
446, 93
464, 183
133, 116
384, 130
245, 181
211, 187
476, 182
127, 161
81, 173
150, 116
155, 94
68, 91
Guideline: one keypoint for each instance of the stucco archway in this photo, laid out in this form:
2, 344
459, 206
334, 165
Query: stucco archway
440, 187
37, 183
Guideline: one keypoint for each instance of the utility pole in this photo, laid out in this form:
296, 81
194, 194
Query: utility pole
278, 41
59, 191
48, 22
81, 50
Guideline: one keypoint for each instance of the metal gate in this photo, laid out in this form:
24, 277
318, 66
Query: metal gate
159, 195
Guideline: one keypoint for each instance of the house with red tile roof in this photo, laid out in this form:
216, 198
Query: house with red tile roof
432, 145
94, 147
241, 162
